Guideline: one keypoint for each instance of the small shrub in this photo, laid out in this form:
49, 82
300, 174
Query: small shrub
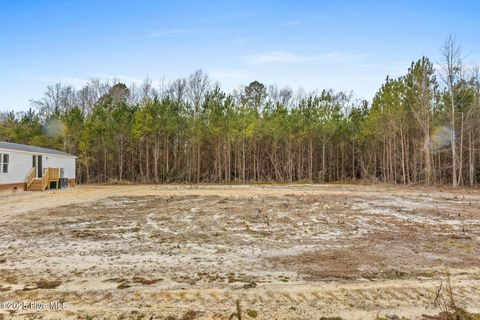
446, 301
252, 313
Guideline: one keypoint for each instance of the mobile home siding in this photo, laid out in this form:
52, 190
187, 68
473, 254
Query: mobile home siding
67, 163
19, 165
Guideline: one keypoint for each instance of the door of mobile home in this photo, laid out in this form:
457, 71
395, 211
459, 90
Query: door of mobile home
37, 164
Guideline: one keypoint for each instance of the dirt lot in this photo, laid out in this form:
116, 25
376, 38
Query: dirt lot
283, 252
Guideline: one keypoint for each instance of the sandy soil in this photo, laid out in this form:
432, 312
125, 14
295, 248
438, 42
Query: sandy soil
186, 252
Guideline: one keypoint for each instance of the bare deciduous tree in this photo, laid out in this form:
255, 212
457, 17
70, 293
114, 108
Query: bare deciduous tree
453, 71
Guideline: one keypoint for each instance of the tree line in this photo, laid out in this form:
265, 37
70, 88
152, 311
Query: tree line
422, 127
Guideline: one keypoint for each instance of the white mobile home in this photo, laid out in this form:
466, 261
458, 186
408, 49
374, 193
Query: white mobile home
34, 168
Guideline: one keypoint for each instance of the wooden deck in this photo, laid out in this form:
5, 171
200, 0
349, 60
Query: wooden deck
40, 184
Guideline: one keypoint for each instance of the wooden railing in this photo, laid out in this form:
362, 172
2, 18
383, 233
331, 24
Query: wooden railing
48, 175
45, 178
31, 176
54, 174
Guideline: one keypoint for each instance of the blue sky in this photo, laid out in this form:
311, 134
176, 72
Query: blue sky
344, 45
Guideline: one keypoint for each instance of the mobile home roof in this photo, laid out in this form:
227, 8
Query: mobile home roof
32, 149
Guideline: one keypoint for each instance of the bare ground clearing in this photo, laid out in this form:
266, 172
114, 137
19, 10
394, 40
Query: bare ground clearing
287, 252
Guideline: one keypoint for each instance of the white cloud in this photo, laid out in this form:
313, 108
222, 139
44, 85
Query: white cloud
289, 57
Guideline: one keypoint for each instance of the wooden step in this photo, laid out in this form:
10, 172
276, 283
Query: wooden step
36, 185
39, 184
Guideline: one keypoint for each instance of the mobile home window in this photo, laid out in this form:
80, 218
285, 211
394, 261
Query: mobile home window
5, 162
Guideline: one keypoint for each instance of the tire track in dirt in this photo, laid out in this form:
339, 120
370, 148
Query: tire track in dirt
359, 298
